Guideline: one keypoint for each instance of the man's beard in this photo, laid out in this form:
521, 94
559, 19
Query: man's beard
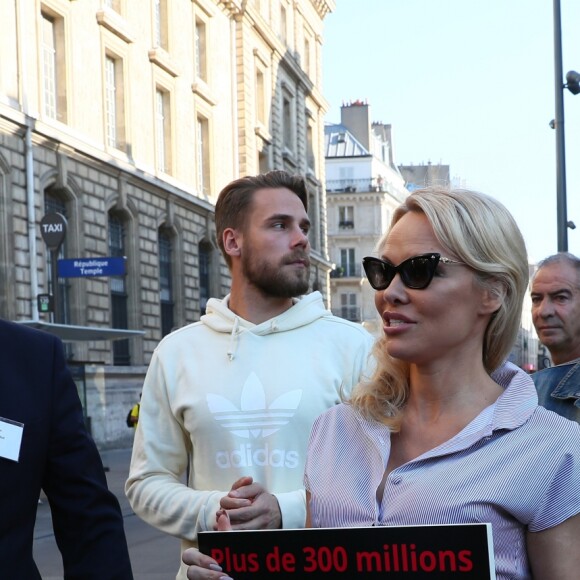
275, 280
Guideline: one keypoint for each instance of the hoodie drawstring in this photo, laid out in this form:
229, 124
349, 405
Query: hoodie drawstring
233, 339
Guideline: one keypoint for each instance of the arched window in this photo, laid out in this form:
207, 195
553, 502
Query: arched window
119, 294
166, 299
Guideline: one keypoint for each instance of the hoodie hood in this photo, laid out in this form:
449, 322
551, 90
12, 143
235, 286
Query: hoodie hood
220, 318
305, 310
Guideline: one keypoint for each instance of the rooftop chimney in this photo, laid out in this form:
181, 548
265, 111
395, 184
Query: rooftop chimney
356, 118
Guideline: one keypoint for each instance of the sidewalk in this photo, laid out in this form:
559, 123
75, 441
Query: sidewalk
154, 555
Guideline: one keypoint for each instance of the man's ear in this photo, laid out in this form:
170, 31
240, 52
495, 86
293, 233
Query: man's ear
232, 239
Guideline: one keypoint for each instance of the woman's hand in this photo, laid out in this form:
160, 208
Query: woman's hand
203, 567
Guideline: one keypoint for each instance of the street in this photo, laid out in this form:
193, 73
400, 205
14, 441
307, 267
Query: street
154, 555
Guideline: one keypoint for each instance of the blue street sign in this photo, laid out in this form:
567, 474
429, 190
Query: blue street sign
84, 267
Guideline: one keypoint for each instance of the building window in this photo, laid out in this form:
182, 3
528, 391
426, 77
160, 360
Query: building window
264, 160
347, 262
348, 307
264, 9
54, 204
166, 282
205, 252
203, 156
113, 5
287, 123
260, 97
346, 216
53, 68
114, 103
119, 295
49, 66
163, 130
310, 158
283, 23
201, 50
316, 231
346, 179
306, 57
160, 22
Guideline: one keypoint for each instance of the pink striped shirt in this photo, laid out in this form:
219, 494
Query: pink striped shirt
516, 466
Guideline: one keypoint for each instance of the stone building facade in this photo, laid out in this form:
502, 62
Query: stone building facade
127, 118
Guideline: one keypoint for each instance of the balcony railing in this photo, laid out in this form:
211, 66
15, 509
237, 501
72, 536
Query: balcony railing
350, 271
352, 185
363, 185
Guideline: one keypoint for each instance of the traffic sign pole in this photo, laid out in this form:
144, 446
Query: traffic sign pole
53, 231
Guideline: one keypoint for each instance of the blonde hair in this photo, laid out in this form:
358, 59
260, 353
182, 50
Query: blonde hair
481, 232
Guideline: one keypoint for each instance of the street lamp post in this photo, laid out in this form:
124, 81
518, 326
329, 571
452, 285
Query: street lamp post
573, 85
559, 127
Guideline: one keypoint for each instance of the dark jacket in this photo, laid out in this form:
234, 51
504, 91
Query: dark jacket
58, 455
559, 389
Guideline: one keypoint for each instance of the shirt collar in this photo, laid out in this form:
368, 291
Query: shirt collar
519, 399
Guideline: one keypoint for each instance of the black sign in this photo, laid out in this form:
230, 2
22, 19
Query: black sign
403, 552
45, 303
53, 230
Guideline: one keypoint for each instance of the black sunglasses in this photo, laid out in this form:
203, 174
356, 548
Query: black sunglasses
416, 272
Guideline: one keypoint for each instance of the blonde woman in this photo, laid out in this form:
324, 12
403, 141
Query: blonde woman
446, 431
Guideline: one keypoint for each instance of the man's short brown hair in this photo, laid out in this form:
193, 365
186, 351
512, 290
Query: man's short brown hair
234, 200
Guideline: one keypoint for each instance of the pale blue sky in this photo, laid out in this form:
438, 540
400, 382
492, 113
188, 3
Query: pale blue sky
470, 84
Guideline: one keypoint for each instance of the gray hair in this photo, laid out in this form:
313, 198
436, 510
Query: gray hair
560, 258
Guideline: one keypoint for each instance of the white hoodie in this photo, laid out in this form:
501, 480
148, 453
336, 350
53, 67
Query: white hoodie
231, 398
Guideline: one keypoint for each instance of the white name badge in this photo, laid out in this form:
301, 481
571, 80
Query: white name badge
10, 438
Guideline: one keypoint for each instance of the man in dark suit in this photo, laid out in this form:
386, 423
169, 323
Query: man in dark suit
44, 445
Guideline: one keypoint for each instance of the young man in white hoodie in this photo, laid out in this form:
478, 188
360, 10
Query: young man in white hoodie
231, 399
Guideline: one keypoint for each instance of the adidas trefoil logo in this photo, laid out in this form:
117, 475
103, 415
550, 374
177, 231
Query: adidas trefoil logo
254, 418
